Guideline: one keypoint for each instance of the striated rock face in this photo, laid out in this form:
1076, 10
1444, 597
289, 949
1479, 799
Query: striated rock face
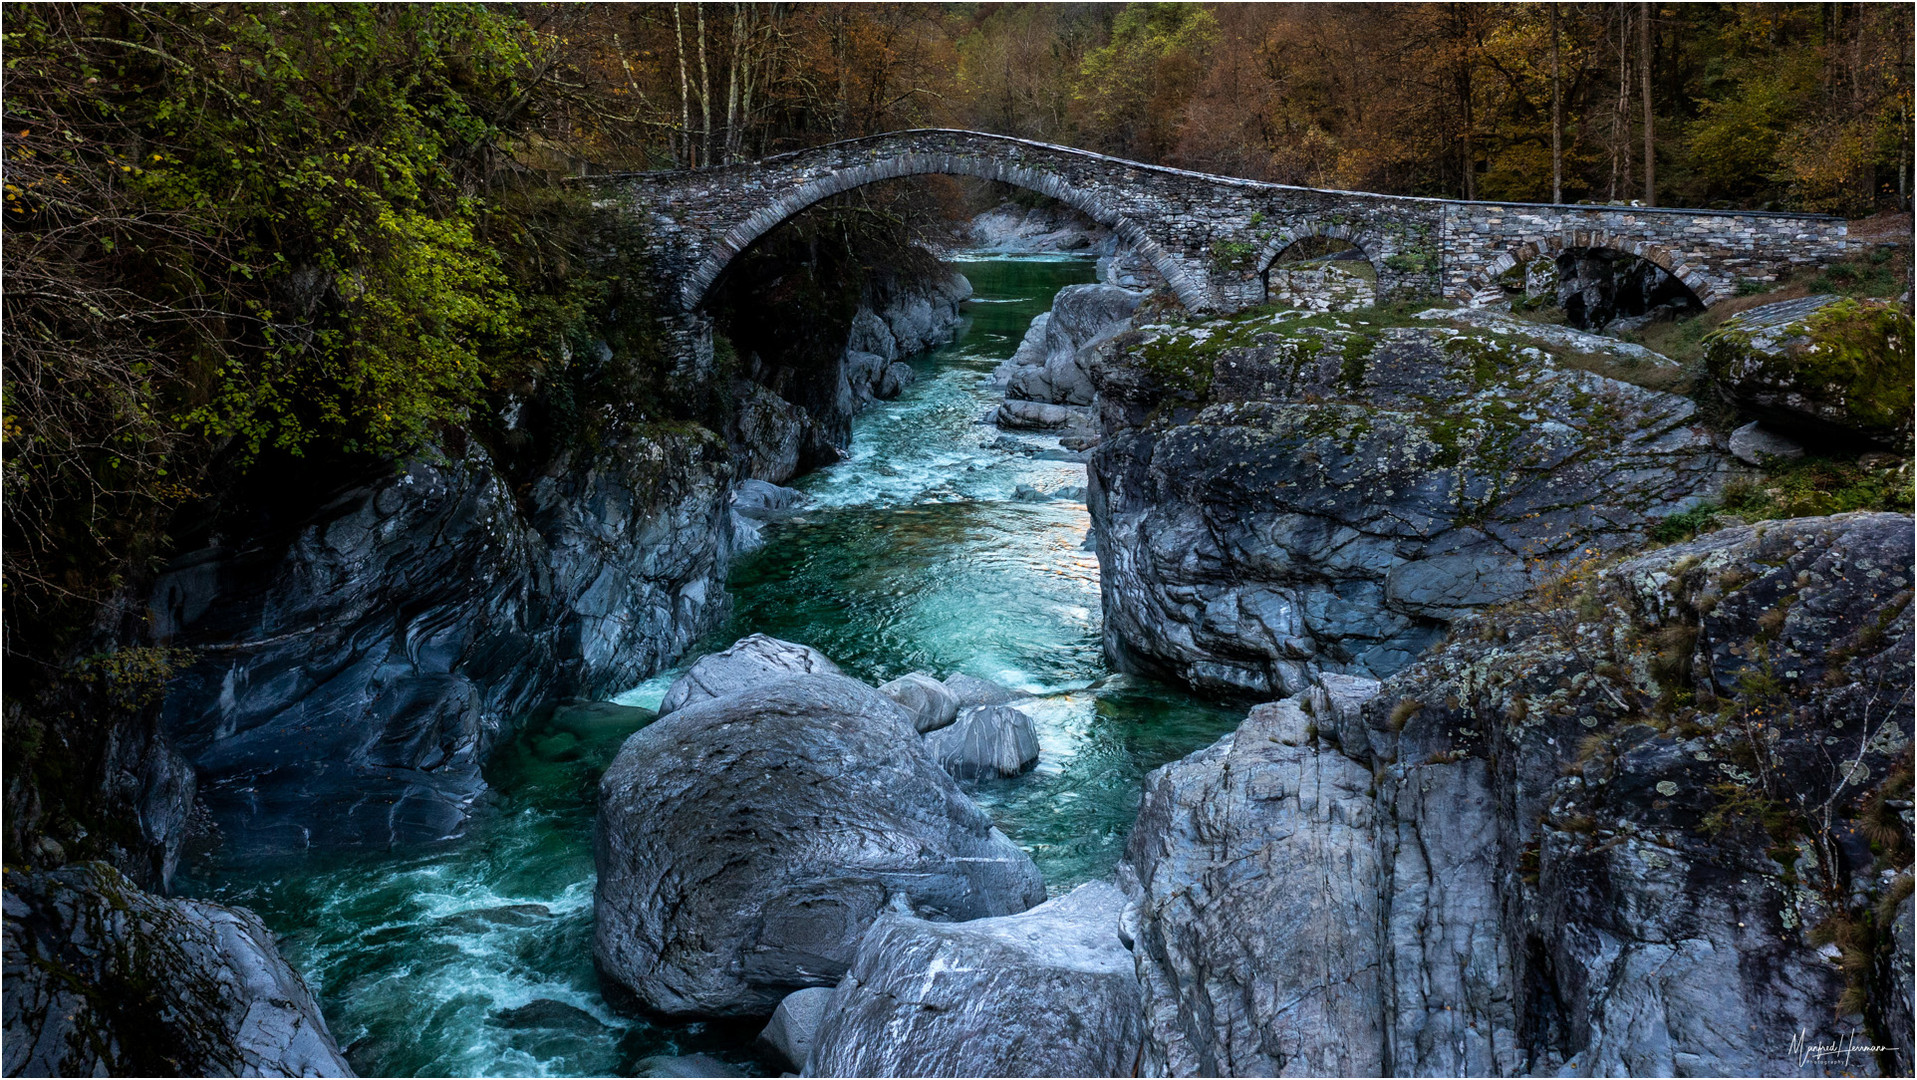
357, 670
1053, 362
986, 741
1046, 993
1607, 831
105, 980
745, 843
1276, 496
1822, 369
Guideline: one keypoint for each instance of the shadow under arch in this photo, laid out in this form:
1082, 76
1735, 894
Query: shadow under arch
1482, 285
1195, 295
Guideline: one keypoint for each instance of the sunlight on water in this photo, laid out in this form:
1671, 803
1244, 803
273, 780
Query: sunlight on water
475, 957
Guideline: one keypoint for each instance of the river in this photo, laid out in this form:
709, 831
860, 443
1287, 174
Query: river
474, 957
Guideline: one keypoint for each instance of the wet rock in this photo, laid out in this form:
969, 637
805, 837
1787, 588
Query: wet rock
755, 503
102, 979
795, 1022
748, 661
931, 704
690, 1065
550, 1014
1753, 445
1303, 500
1047, 993
1820, 369
1036, 416
359, 662
973, 691
745, 843
985, 741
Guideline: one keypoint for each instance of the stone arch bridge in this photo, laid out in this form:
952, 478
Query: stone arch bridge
1211, 237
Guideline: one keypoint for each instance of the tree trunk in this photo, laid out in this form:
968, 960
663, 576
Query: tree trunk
1650, 123
705, 83
685, 101
732, 83
1557, 116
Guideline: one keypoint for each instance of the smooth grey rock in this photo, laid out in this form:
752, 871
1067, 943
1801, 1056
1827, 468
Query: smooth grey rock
1037, 416
1013, 228
1047, 993
102, 979
932, 704
745, 842
985, 741
1752, 444
689, 1065
795, 1022
1566, 337
972, 691
1052, 363
746, 662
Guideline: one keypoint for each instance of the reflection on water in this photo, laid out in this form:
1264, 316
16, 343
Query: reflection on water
475, 957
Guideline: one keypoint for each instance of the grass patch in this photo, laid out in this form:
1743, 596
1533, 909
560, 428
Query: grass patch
1807, 487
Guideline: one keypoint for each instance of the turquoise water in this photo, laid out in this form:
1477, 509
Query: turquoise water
475, 957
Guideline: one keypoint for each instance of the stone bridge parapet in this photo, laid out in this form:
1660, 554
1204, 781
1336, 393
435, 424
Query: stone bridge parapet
1212, 238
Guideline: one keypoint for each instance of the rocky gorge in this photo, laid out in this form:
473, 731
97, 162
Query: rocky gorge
1526, 793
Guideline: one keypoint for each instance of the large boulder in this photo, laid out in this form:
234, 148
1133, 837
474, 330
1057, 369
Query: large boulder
985, 741
105, 980
1046, 993
1820, 369
745, 842
748, 661
1053, 363
1560, 843
1276, 497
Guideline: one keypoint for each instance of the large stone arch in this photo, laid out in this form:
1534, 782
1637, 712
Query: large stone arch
1481, 287
784, 205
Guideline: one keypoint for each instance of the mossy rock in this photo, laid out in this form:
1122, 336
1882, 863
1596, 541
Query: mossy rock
1827, 370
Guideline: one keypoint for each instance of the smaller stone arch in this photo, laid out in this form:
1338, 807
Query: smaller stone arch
1482, 287
1371, 246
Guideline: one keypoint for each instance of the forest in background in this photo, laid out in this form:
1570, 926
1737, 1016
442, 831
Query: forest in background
1776, 106
241, 236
